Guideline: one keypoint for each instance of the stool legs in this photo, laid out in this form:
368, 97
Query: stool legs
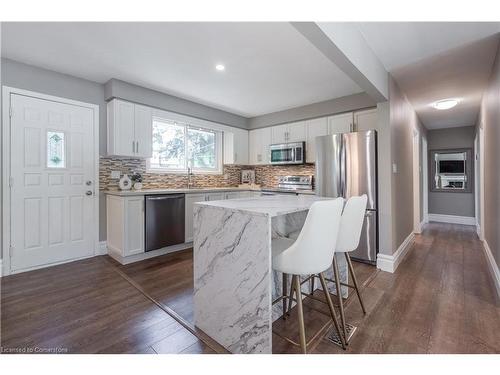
285, 287
339, 295
355, 282
302, 330
330, 306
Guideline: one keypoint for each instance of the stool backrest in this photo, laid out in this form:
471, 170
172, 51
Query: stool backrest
351, 224
313, 250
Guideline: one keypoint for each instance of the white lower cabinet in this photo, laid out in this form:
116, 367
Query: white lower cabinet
125, 225
233, 195
215, 196
191, 199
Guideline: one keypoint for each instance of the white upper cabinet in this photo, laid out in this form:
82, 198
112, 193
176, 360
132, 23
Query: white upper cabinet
314, 128
259, 141
129, 129
288, 133
236, 147
279, 134
143, 131
365, 120
296, 132
342, 123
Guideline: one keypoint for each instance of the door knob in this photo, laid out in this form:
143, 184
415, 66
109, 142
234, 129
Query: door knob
88, 192
88, 183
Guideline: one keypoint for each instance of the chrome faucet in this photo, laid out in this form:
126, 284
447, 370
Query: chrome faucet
190, 183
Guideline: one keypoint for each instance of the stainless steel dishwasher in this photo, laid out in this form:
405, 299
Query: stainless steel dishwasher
165, 216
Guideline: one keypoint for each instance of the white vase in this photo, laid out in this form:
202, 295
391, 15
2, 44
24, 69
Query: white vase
125, 182
138, 186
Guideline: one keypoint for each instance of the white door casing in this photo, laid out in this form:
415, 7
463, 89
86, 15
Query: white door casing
416, 182
481, 182
52, 219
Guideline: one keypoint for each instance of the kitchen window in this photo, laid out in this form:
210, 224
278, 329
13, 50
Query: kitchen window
179, 146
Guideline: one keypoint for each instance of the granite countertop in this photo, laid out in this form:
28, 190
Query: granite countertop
173, 191
128, 193
273, 205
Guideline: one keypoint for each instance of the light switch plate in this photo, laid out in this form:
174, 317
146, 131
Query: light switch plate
115, 174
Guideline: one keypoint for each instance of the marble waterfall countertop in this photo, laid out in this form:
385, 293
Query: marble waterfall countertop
272, 205
234, 283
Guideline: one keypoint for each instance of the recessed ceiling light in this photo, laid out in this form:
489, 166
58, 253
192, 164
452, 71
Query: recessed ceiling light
220, 67
445, 104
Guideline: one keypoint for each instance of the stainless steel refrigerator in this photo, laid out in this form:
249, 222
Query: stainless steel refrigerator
346, 166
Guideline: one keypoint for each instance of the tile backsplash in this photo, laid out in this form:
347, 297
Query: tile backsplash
265, 175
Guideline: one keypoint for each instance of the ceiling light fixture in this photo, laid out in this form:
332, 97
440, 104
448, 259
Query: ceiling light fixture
445, 104
220, 67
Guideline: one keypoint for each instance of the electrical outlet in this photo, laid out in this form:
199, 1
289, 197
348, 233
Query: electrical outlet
394, 168
226, 176
115, 174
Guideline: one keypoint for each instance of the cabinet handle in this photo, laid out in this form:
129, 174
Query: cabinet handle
133, 147
137, 146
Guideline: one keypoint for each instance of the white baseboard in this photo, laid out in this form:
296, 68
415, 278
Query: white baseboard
117, 255
389, 263
1, 267
426, 218
465, 220
495, 272
102, 248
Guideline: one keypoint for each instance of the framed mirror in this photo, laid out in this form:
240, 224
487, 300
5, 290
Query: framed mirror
451, 170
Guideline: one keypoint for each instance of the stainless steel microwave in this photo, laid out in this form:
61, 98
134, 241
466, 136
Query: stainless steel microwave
288, 153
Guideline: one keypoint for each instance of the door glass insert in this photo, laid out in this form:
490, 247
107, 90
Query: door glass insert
55, 150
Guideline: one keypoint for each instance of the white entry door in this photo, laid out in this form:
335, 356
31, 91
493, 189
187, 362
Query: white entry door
52, 188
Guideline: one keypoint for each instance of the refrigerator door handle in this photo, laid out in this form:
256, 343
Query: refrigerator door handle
342, 169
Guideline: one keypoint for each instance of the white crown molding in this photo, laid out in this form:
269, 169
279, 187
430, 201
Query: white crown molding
465, 220
390, 263
495, 272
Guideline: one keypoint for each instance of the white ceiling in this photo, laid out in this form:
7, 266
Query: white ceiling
462, 73
401, 43
269, 66
435, 61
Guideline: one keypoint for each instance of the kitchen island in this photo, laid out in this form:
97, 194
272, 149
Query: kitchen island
234, 284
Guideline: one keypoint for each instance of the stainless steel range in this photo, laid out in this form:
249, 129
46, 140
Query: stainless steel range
293, 185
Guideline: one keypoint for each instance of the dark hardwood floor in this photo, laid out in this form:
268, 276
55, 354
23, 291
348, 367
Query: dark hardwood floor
440, 300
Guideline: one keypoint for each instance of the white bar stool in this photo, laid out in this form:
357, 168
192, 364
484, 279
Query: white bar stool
311, 254
348, 238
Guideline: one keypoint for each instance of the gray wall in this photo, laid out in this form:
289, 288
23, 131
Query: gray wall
321, 109
489, 119
446, 203
384, 178
404, 121
28, 77
115, 88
